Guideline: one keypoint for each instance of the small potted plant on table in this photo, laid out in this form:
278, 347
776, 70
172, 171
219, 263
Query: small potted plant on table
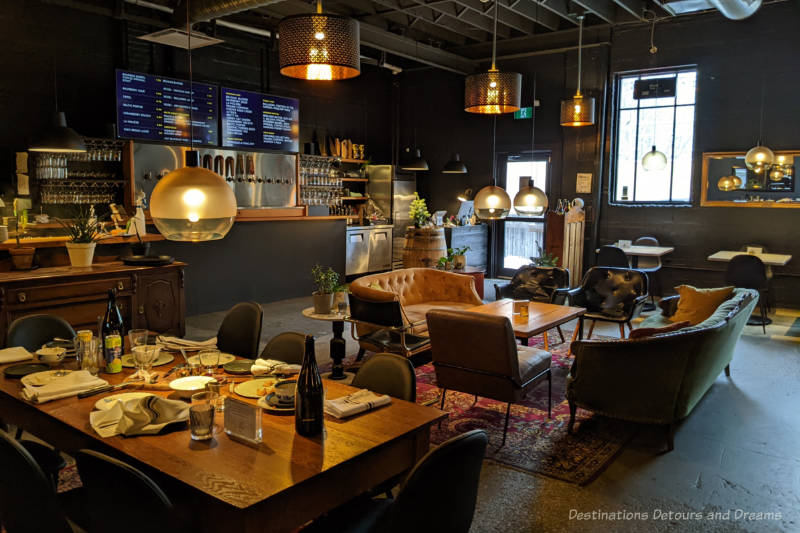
327, 281
83, 230
21, 256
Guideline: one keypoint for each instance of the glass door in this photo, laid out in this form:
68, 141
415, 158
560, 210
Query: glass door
519, 238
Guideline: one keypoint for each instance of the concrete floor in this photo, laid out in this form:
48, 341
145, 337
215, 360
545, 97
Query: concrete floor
738, 450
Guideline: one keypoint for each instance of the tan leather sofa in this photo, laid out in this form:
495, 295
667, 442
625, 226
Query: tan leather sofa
418, 290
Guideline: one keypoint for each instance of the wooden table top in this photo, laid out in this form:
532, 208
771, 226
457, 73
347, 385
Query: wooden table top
541, 316
66, 271
768, 259
233, 472
308, 312
644, 251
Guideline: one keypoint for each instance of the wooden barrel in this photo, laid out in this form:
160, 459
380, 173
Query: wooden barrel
424, 247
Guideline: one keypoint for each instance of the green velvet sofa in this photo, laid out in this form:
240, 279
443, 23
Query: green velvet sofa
658, 379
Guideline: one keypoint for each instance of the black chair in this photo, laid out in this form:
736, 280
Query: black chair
288, 347
124, 499
387, 331
28, 500
240, 332
769, 294
535, 283
33, 331
388, 373
438, 495
748, 271
651, 265
612, 256
610, 295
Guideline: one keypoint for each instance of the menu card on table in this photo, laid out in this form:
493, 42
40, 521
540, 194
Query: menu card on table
242, 420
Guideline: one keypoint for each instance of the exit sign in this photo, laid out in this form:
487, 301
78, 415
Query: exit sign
524, 112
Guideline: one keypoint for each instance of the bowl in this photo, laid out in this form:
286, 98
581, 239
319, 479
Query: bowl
185, 387
285, 390
52, 354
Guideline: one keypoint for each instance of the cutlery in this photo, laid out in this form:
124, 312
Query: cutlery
173, 370
104, 388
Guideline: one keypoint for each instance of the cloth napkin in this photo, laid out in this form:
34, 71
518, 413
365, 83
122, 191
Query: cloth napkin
355, 403
63, 387
138, 416
268, 366
14, 355
176, 343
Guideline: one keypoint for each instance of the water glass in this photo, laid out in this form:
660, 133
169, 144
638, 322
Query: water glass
138, 337
218, 387
91, 356
143, 358
209, 359
201, 415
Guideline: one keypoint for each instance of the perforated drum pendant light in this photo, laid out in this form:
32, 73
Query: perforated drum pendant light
493, 92
319, 46
578, 110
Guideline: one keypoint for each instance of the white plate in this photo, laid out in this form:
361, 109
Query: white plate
103, 404
190, 383
224, 359
249, 389
162, 359
37, 379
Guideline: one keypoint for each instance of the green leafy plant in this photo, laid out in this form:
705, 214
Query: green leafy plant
326, 279
418, 211
460, 251
82, 227
544, 259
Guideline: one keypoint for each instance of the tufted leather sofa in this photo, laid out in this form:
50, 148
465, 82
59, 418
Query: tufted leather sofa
418, 290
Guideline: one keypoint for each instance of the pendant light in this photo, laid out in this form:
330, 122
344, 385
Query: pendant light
455, 166
192, 203
465, 196
531, 201
759, 156
492, 202
413, 161
58, 137
654, 160
578, 110
730, 182
493, 92
319, 46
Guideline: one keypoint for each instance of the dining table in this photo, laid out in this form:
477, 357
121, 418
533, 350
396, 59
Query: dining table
635, 251
228, 484
777, 260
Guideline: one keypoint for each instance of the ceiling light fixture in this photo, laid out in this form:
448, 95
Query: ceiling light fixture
319, 46
530, 200
492, 202
413, 161
455, 166
58, 137
578, 110
493, 92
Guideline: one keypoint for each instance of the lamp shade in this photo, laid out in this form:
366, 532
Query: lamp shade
413, 160
455, 166
493, 92
58, 138
492, 203
577, 111
465, 196
319, 46
729, 183
530, 201
192, 204
759, 155
654, 160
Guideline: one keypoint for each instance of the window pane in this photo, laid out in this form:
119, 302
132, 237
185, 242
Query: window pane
521, 242
684, 139
516, 169
686, 87
626, 100
626, 155
655, 129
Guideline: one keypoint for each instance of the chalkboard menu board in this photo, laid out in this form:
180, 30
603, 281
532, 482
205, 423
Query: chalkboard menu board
264, 121
157, 108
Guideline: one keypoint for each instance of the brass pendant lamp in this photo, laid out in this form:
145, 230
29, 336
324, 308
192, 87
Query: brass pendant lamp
319, 46
492, 202
531, 201
493, 92
578, 111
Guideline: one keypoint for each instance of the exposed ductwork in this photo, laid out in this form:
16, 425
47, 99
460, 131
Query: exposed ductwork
205, 10
736, 9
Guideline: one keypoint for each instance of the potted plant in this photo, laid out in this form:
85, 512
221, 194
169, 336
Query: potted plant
326, 280
459, 257
83, 230
545, 259
418, 211
21, 256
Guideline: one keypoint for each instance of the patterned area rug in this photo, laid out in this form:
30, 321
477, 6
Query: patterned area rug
534, 443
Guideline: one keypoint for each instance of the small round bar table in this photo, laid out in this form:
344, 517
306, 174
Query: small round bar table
337, 343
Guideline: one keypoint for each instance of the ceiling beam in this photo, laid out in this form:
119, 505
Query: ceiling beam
447, 21
449, 11
558, 7
532, 11
602, 8
634, 7
477, 8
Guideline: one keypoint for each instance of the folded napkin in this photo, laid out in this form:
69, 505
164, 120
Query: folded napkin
355, 403
268, 366
63, 387
176, 343
14, 355
138, 416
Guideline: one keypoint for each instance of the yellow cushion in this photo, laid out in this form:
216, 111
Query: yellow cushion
695, 305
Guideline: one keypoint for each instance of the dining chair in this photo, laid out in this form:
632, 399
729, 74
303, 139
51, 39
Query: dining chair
768, 270
28, 499
439, 494
289, 347
124, 499
612, 256
33, 331
476, 353
649, 264
748, 272
388, 373
240, 331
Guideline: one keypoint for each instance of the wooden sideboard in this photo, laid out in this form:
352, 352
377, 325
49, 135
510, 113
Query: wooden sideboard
148, 297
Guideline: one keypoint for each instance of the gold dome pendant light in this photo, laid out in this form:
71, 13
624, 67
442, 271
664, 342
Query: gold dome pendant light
578, 110
492, 202
493, 92
319, 46
759, 157
191, 203
531, 201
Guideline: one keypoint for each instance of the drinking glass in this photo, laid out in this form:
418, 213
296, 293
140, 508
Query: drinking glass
138, 337
92, 359
209, 359
143, 358
218, 387
201, 415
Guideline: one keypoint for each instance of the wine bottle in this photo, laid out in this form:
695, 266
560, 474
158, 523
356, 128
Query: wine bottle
309, 398
112, 333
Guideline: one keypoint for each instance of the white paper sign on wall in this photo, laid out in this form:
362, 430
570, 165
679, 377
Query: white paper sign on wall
583, 185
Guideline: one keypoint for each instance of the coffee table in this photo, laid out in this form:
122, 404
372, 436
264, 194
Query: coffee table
541, 317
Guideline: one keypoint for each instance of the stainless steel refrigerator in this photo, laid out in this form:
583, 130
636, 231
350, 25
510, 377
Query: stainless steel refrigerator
393, 190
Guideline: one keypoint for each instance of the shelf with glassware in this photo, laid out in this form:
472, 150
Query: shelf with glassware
328, 185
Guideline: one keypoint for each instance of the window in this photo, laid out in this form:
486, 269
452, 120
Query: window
667, 123
522, 236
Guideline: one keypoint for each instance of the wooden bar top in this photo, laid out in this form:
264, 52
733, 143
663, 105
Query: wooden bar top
55, 242
67, 271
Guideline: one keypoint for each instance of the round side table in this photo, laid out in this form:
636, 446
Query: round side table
337, 343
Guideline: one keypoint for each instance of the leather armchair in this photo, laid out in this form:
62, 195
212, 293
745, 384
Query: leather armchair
530, 282
609, 294
487, 362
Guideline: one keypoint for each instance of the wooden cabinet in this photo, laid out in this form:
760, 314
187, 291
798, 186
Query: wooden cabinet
148, 297
564, 239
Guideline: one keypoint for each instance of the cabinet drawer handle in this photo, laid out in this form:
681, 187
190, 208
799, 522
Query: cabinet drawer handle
141, 309
120, 286
22, 297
